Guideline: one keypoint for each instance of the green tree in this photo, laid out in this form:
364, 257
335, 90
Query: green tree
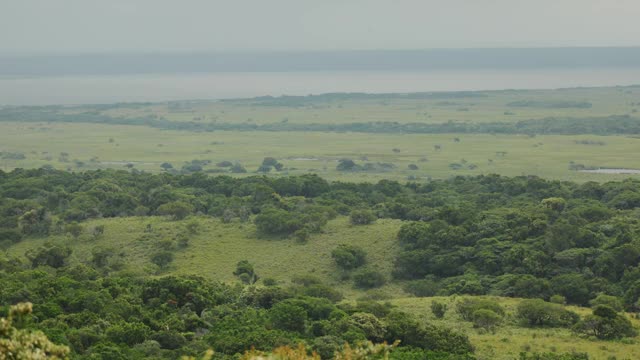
438, 309
362, 217
349, 257
178, 210
605, 323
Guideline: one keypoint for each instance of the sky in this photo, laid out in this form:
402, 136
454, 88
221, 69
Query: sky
82, 26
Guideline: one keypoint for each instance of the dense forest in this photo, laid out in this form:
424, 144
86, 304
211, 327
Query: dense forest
526, 237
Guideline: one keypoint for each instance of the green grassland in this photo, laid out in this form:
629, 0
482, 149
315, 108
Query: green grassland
317, 152
509, 339
488, 106
217, 247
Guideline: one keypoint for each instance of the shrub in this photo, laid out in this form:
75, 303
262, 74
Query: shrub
537, 312
178, 210
368, 278
606, 324
349, 257
558, 299
467, 306
162, 259
486, 319
438, 309
612, 301
362, 217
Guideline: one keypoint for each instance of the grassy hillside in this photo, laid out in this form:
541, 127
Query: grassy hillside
217, 247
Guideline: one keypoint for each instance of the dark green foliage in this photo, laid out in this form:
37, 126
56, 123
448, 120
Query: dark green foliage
48, 254
368, 278
349, 257
246, 273
613, 302
606, 324
537, 312
289, 316
162, 258
438, 309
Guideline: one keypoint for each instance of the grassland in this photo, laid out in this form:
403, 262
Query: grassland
510, 339
92, 146
146, 148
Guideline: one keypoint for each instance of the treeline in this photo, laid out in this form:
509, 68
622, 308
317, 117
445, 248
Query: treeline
608, 125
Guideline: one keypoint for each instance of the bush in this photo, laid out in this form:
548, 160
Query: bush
368, 279
537, 312
558, 299
162, 259
362, 217
468, 306
486, 319
606, 324
438, 309
178, 210
612, 301
349, 257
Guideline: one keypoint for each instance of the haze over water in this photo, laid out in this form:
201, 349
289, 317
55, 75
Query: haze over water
109, 78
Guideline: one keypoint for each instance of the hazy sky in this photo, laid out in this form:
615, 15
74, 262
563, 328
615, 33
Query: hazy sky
220, 25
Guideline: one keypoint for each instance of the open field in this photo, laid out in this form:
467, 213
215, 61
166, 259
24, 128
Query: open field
89, 147
215, 251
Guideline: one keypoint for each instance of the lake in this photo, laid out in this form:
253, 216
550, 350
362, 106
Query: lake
87, 89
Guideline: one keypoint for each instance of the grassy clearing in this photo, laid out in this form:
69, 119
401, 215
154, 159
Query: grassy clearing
509, 339
214, 252
147, 148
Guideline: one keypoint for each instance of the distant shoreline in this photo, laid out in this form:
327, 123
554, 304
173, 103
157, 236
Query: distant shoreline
53, 65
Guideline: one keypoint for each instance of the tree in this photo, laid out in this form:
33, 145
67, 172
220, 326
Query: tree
178, 210
537, 312
486, 319
74, 229
246, 273
17, 343
438, 309
162, 259
166, 166
468, 306
362, 217
289, 316
349, 257
606, 324
48, 254
368, 278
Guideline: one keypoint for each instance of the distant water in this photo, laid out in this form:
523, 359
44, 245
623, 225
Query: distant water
93, 89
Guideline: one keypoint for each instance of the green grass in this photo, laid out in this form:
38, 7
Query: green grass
317, 152
214, 252
510, 339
